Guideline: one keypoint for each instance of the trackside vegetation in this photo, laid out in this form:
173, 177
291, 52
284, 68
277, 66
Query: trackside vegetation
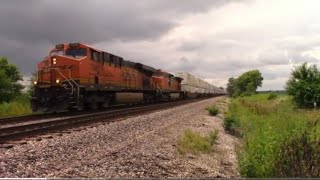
280, 133
278, 139
212, 110
17, 107
13, 102
193, 142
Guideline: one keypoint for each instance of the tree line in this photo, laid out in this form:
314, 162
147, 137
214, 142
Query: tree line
303, 85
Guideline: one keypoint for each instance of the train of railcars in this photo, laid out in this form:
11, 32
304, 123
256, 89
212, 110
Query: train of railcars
193, 86
76, 76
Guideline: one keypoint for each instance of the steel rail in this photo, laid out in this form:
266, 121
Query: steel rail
27, 129
37, 117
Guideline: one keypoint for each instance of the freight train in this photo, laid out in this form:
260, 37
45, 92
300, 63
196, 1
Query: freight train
76, 76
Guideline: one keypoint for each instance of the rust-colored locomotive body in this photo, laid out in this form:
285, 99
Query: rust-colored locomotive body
75, 76
169, 85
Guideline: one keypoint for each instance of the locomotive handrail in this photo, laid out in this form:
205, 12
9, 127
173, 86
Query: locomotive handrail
78, 88
160, 90
64, 77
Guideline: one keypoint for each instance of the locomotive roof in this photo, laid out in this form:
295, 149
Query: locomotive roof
141, 67
146, 68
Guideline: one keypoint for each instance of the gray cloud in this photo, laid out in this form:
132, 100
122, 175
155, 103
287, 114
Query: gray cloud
29, 28
214, 39
273, 56
191, 45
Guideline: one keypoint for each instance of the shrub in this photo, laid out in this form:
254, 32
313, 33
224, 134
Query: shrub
303, 85
231, 125
192, 142
213, 111
272, 96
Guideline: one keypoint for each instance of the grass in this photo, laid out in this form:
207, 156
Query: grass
213, 111
18, 107
193, 142
278, 139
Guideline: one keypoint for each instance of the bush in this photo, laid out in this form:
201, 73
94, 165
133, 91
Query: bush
272, 96
192, 142
213, 111
231, 125
303, 85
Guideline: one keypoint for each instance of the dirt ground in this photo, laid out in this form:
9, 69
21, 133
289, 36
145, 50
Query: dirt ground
143, 146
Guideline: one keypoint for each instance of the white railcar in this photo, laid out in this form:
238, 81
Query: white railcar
195, 86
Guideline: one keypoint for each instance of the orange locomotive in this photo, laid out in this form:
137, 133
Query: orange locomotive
77, 76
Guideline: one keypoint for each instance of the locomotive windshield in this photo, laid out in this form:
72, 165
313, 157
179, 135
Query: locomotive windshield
76, 53
58, 52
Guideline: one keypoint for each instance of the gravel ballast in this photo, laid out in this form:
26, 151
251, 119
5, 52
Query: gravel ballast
142, 146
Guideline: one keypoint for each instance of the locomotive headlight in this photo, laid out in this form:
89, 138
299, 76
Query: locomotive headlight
35, 82
58, 81
54, 60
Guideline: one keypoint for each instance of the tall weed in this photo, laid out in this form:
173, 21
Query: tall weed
193, 142
20, 106
266, 127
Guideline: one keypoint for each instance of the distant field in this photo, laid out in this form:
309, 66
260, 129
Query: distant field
20, 106
279, 140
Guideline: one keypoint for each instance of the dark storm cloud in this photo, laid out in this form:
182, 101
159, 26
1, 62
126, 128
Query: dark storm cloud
29, 28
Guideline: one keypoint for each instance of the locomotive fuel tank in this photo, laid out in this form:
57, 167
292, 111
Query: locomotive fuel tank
174, 96
124, 97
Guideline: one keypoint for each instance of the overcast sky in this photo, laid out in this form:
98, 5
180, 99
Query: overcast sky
213, 39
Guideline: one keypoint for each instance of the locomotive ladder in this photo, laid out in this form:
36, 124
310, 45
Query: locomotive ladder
72, 82
158, 88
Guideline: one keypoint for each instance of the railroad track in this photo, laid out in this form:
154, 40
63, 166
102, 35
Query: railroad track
36, 117
19, 130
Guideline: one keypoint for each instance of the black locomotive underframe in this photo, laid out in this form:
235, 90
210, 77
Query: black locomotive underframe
59, 98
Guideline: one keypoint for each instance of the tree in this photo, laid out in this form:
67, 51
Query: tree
246, 84
9, 77
230, 86
30, 87
304, 85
